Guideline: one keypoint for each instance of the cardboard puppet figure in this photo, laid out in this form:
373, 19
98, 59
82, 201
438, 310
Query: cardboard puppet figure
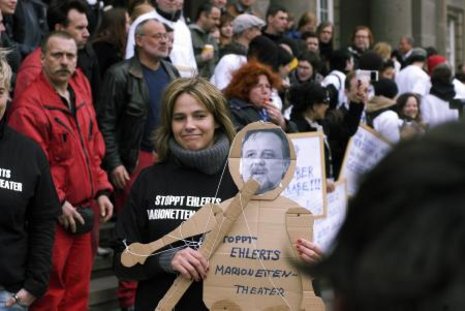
249, 239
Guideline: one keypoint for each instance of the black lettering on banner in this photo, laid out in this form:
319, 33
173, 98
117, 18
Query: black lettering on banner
259, 291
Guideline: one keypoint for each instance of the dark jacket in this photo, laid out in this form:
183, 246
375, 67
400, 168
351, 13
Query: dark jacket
338, 126
148, 216
28, 25
29, 209
122, 111
244, 113
88, 63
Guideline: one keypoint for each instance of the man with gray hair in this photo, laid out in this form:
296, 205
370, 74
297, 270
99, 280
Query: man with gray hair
129, 110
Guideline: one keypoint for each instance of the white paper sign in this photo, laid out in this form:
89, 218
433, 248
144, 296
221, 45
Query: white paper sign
364, 150
308, 187
325, 230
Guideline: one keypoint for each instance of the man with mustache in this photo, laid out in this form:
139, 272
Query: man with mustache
56, 111
265, 157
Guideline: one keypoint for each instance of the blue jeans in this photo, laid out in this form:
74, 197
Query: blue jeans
4, 296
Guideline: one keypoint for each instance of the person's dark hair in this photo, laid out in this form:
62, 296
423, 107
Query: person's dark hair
402, 101
388, 64
338, 59
279, 133
54, 34
313, 58
204, 8
441, 74
306, 95
275, 9
284, 57
402, 244
113, 29
309, 34
57, 11
264, 50
430, 51
322, 26
370, 60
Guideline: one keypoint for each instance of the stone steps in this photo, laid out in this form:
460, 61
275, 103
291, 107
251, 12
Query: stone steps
104, 282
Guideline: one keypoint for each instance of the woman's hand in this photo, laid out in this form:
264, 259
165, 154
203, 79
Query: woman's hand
191, 264
275, 115
308, 251
358, 91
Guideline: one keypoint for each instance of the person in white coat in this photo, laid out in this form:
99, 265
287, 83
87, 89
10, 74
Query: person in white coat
182, 54
379, 110
435, 107
413, 78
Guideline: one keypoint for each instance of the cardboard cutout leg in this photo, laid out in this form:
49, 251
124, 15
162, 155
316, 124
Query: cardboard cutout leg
299, 222
201, 222
211, 242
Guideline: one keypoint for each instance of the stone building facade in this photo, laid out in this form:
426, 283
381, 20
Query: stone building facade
438, 23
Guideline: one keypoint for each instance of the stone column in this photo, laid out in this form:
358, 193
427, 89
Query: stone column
390, 20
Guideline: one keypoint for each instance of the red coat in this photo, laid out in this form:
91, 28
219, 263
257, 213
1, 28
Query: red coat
29, 70
73, 144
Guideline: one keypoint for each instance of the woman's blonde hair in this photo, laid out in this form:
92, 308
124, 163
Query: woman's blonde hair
5, 70
204, 92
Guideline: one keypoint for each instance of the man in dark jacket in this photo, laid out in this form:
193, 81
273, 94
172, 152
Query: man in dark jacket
129, 111
56, 111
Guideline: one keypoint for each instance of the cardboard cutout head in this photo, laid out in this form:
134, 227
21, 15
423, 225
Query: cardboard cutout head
262, 151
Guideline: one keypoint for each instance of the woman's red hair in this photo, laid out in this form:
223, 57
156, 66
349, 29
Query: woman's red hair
246, 77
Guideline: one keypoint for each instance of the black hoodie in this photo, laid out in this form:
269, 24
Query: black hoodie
28, 212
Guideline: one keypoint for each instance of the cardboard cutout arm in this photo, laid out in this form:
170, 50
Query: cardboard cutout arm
201, 222
298, 222
211, 242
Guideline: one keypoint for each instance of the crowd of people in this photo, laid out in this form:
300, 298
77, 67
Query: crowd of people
105, 100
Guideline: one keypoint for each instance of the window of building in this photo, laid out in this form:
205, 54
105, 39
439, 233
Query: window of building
455, 37
325, 10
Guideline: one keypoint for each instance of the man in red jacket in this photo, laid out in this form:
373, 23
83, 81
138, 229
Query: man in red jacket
56, 111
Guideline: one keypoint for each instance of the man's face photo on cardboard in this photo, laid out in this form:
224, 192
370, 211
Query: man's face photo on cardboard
265, 158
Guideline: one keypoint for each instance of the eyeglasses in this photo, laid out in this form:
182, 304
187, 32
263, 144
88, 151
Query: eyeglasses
156, 36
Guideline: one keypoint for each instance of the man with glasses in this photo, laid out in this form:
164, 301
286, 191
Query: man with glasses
129, 110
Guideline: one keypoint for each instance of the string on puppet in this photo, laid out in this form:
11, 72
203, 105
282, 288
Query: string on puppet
187, 243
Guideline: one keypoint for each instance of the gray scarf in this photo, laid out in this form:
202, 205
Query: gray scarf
208, 161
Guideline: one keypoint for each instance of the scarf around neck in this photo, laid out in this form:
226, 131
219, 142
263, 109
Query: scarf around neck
444, 91
209, 160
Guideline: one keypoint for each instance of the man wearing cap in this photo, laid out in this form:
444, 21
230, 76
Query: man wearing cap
413, 78
245, 28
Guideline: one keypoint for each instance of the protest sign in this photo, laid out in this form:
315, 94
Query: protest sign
308, 185
326, 229
364, 150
